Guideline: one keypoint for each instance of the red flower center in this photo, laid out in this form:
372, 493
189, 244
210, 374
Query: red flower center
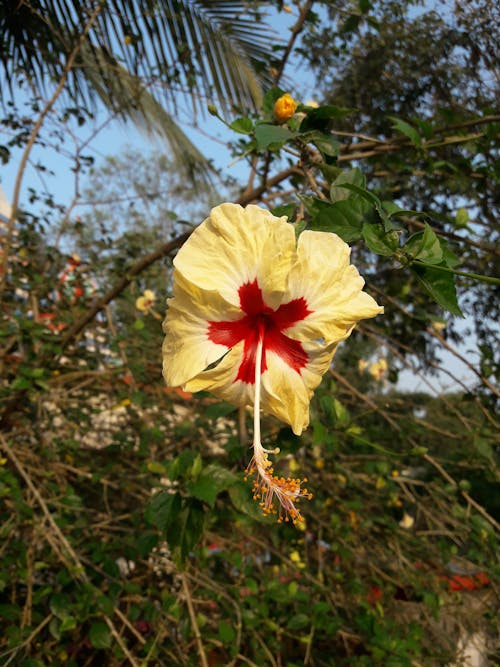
260, 321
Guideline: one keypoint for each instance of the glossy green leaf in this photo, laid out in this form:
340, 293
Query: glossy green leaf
271, 137
441, 287
371, 199
242, 125
354, 176
344, 218
424, 246
380, 241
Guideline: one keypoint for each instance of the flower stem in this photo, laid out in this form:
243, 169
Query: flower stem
446, 269
256, 403
267, 485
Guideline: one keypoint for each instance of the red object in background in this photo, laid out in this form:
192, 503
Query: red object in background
466, 582
374, 595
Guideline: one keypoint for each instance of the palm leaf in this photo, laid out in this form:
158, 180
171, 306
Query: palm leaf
131, 101
204, 48
191, 51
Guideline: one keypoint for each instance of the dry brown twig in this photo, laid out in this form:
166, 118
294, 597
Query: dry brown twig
60, 545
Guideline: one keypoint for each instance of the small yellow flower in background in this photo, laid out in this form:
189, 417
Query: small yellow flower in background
284, 108
438, 326
378, 369
362, 365
407, 521
145, 302
296, 558
256, 317
312, 103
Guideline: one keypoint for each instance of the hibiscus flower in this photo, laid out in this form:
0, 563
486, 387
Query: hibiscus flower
146, 301
256, 317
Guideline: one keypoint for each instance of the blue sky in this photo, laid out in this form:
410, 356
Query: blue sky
111, 137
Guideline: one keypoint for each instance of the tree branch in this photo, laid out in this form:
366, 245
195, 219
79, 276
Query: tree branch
31, 141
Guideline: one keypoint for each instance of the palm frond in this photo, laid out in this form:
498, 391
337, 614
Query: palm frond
127, 96
216, 49
189, 52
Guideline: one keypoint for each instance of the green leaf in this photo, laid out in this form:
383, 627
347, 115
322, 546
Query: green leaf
213, 480
424, 246
163, 509
67, 623
325, 143
190, 530
341, 413
197, 467
226, 632
371, 199
271, 137
181, 464
241, 497
204, 489
380, 241
10, 612
219, 410
406, 129
242, 125
319, 118
449, 257
461, 218
156, 467
354, 176
60, 605
298, 622
285, 209
441, 287
99, 635
344, 218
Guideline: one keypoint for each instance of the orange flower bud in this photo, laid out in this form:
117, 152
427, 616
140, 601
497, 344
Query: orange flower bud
284, 108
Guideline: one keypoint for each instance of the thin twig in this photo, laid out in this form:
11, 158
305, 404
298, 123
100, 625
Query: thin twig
194, 622
296, 30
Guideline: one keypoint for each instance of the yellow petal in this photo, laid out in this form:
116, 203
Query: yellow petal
331, 286
286, 393
284, 108
149, 295
141, 304
187, 350
237, 245
220, 380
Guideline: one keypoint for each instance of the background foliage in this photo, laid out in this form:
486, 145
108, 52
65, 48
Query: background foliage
129, 535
